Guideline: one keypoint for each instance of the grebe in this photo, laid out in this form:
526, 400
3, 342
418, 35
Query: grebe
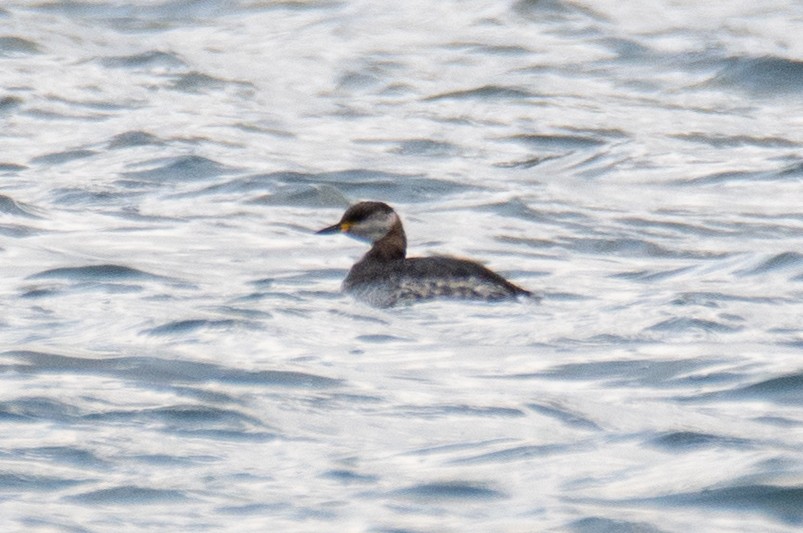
385, 276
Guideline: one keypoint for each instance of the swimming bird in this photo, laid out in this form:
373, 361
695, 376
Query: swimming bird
385, 276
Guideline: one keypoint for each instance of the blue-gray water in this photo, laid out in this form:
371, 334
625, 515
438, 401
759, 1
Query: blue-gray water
174, 351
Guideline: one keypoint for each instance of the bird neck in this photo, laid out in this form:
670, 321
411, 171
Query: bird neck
392, 246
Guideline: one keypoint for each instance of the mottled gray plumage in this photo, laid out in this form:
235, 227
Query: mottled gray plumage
385, 277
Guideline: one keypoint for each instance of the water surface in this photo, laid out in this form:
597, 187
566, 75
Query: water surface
176, 355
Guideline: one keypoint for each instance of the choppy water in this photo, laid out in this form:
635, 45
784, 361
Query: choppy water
175, 352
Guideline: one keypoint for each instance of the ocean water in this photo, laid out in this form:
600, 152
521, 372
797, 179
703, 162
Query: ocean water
175, 354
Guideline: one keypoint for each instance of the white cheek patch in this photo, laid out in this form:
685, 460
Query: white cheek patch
375, 227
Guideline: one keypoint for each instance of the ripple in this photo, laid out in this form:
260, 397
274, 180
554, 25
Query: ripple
683, 228
154, 370
151, 60
8, 104
455, 491
129, 495
783, 389
145, 18
649, 276
36, 409
183, 168
59, 158
66, 454
9, 206
731, 141
680, 441
197, 82
24, 482
108, 272
17, 46
627, 247
779, 262
291, 187
786, 389
564, 415
789, 172
530, 162
516, 453
683, 324
597, 524
762, 76
349, 476
381, 339
487, 92
181, 417
438, 411
426, 148
82, 197
279, 378
304, 196
779, 501
553, 10
495, 50
192, 325
133, 138
644, 371
163, 460
557, 142
714, 299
